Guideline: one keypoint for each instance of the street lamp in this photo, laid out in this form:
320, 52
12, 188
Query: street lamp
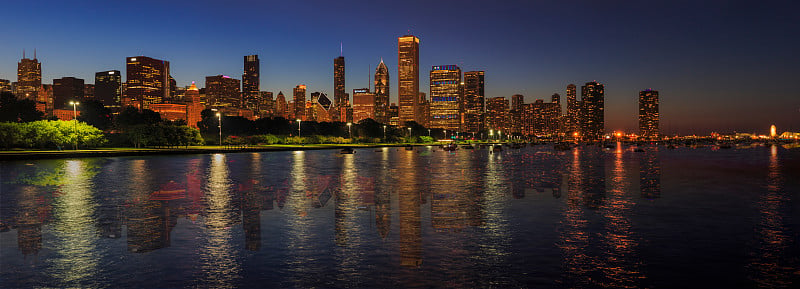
350, 133
384, 133
75, 118
429, 132
219, 117
500, 135
298, 127
445, 134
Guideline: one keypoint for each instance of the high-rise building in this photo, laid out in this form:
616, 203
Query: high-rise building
381, 93
108, 87
193, 106
593, 103
67, 89
339, 97
497, 114
267, 105
541, 119
515, 113
148, 81
250, 83
223, 91
473, 101
300, 102
318, 109
648, 114
281, 107
5, 85
445, 85
29, 78
571, 121
408, 78
393, 113
363, 104
424, 110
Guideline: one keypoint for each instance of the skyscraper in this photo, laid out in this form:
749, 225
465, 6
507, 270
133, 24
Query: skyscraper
5, 85
67, 89
571, 125
381, 93
408, 78
223, 91
473, 101
29, 78
281, 107
250, 83
515, 113
593, 103
363, 104
497, 113
108, 87
445, 85
300, 102
339, 97
648, 114
147, 81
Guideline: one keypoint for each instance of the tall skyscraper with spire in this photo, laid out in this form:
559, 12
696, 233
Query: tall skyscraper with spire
339, 97
648, 114
251, 97
382, 93
29, 77
408, 78
473, 101
593, 106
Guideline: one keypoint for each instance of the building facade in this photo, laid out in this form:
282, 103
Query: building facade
29, 78
363, 104
408, 78
300, 102
108, 87
497, 114
67, 89
648, 114
445, 88
592, 106
473, 102
223, 91
571, 120
381, 105
251, 96
148, 81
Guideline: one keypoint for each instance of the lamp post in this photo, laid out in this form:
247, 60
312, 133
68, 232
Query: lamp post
445, 134
349, 132
75, 118
384, 133
500, 135
429, 132
219, 118
298, 126
491, 134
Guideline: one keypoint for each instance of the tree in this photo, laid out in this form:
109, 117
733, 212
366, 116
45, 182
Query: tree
95, 114
18, 110
131, 116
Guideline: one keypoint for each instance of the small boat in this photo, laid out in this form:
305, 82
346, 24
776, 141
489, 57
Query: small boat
347, 150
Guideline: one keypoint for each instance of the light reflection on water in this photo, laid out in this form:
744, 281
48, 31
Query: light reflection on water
533, 217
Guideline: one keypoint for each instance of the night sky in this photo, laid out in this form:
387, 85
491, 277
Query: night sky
718, 65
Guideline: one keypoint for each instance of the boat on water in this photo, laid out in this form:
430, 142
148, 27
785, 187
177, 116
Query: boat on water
347, 150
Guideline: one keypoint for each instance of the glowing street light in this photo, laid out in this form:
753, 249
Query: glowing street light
429, 132
350, 133
384, 133
298, 127
219, 117
409, 131
75, 118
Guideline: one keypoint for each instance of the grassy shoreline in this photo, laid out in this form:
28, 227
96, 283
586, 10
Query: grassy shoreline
113, 152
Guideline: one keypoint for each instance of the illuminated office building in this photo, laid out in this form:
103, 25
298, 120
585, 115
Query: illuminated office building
29, 77
497, 114
67, 89
593, 120
223, 91
408, 78
424, 110
541, 119
108, 87
339, 97
5, 85
251, 96
571, 121
281, 107
300, 102
381, 93
515, 113
363, 104
473, 101
648, 114
445, 85
147, 81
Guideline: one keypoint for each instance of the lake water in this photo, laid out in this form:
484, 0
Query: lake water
532, 217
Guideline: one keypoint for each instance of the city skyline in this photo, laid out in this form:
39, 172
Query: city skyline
707, 59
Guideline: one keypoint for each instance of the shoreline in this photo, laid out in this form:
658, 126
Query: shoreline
89, 153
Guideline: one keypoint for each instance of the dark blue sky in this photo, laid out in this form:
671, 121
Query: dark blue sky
716, 64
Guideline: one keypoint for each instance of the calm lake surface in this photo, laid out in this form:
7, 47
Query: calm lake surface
531, 217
